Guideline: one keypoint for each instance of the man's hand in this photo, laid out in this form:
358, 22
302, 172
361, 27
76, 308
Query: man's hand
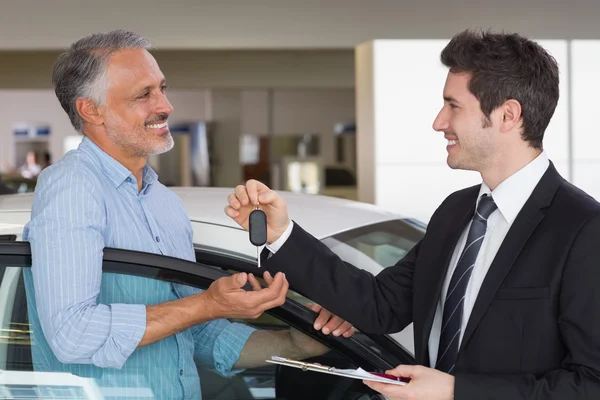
327, 323
227, 299
425, 383
244, 200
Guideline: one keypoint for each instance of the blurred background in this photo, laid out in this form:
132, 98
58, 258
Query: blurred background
326, 97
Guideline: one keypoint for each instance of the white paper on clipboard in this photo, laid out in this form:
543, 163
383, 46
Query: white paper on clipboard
348, 373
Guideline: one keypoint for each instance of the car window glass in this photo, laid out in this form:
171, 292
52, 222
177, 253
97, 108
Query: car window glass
370, 247
377, 246
24, 355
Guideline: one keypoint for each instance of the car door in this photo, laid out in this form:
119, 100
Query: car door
370, 352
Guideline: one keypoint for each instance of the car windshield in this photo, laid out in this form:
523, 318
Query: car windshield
377, 246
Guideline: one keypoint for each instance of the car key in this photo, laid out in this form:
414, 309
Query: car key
257, 223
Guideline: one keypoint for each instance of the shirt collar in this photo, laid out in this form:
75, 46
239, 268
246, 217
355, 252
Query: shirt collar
114, 170
510, 196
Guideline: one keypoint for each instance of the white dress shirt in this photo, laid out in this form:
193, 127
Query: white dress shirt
510, 197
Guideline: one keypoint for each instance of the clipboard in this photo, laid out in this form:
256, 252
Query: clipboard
347, 373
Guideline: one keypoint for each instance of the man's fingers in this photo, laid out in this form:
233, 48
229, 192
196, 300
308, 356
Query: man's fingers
231, 213
233, 201
279, 300
284, 289
268, 295
344, 328
230, 283
322, 319
387, 389
242, 194
405, 371
277, 281
268, 278
349, 332
254, 282
270, 197
313, 306
334, 323
238, 280
252, 188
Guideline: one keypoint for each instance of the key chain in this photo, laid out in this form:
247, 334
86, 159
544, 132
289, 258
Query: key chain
257, 224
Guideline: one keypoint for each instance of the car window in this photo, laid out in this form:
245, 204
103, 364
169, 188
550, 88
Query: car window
371, 247
23, 348
377, 246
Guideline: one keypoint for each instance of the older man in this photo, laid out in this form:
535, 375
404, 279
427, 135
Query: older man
130, 331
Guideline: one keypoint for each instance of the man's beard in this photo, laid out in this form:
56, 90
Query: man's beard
136, 146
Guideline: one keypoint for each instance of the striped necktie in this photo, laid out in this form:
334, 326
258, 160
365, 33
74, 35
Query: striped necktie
453, 306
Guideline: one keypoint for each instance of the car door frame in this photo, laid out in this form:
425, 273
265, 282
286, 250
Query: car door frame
201, 274
241, 263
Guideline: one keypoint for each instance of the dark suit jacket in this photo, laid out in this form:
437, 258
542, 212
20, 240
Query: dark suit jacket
534, 332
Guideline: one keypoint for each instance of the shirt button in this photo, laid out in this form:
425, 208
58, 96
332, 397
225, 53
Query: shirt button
180, 372
157, 239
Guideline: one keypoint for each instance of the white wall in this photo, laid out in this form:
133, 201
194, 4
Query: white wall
586, 131
402, 162
276, 24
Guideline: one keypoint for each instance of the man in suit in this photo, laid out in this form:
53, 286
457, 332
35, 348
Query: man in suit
503, 289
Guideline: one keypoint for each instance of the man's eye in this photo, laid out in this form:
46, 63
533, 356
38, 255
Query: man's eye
145, 94
453, 105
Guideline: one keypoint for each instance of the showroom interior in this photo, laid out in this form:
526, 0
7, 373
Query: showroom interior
329, 103
269, 89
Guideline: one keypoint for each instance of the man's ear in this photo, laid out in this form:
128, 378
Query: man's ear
89, 111
511, 115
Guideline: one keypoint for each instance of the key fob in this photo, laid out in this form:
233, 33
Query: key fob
257, 222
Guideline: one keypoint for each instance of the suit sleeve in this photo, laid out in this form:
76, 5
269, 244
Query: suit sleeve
579, 324
373, 304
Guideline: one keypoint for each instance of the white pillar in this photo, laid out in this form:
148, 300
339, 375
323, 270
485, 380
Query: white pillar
401, 159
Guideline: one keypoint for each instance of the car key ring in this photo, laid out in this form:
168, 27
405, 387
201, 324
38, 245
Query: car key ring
257, 228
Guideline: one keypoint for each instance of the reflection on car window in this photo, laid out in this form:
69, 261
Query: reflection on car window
21, 336
377, 246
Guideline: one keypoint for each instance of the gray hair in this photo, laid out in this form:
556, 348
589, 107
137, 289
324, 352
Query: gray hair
80, 72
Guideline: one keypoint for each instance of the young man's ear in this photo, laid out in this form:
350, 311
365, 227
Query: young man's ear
511, 115
89, 111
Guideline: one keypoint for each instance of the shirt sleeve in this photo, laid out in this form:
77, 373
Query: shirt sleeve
276, 245
219, 343
66, 238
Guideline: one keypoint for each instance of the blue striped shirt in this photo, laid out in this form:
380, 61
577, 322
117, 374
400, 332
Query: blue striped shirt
92, 322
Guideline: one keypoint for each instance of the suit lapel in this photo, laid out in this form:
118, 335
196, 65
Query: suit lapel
457, 222
527, 220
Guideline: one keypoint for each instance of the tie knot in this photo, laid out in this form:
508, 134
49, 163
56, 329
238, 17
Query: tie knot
486, 206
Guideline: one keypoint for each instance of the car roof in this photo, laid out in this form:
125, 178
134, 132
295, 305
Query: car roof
322, 216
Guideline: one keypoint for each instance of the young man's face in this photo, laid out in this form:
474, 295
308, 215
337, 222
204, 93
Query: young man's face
136, 111
470, 135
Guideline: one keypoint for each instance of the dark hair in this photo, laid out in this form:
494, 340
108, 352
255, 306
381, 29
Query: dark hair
80, 71
507, 66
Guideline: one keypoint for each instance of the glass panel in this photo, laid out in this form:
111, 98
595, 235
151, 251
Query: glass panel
376, 246
372, 248
157, 371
